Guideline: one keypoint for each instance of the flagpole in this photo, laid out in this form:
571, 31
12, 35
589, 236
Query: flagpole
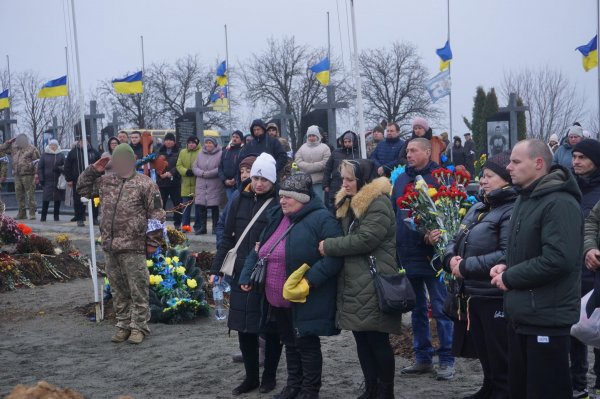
68, 96
143, 58
8, 135
228, 76
598, 59
450, 94
93, 267
358, 87
329, 42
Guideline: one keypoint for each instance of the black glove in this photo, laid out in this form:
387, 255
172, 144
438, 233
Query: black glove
189, 173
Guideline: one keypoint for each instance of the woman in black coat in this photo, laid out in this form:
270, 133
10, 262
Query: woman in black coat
50, 168
480, 245
245, 307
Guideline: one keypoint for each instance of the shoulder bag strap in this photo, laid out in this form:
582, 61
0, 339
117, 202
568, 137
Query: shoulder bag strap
285, 234
254, 219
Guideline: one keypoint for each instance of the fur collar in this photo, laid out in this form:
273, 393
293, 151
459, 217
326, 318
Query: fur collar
363, 199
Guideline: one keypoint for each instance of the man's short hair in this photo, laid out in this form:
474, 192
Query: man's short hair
123, 132
396, 125
536, 148
423, 143
136, 132
378, 129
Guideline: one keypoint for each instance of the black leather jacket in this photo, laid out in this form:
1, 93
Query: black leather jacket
482, 242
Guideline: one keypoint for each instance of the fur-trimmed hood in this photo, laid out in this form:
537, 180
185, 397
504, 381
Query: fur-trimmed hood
363, 199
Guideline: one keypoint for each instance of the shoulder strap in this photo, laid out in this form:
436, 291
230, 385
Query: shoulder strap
249, 226
285, 234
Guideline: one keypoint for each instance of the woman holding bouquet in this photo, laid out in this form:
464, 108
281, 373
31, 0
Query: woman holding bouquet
478, 246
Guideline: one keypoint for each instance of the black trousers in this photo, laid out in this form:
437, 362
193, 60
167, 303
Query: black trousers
580, 365
303, 354
175, 194
488, 329
538, 366
79, 207
46, 205
202, 215
376, 356
249, 346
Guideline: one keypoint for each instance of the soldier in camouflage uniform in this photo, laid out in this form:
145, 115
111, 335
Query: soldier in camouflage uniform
24, 157
131, 227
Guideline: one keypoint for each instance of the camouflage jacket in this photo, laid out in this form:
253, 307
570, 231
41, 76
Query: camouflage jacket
24, 159
131, 209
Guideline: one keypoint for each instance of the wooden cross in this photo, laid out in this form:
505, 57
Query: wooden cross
331, 105
5, 125
512, 110
199, 109
94, 117
284, 119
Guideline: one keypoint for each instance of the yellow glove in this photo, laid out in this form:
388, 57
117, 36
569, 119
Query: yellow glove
296, 287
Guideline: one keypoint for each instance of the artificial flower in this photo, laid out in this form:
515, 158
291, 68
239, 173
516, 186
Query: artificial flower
462, 212
168, 261
432, 192
96, 202
192, 283
186, 228
175, 259
149, 263
155, 279
180, 270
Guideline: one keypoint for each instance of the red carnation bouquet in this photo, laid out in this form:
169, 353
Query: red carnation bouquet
437, 207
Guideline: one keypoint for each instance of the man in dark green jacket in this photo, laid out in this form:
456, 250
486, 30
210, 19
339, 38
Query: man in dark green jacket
542, 273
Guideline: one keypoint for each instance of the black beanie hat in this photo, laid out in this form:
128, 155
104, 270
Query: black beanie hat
591, 149
193, 139
239, 134
498, 164
170, 136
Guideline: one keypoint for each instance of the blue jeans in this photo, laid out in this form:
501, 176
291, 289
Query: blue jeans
420, 322
187, 214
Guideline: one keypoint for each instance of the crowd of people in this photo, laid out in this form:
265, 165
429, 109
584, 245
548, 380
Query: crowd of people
312, 222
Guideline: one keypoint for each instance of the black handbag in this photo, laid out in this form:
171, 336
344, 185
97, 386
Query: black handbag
394, 292
259, 271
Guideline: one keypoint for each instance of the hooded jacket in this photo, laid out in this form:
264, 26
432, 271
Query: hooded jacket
414, 255
387, 153
332, 178
482, 241
369, 230
171, 157
544, 256
264, 143
229, 162
564, 155
590, 190
312, 159
50, 167
185, 160
209, 189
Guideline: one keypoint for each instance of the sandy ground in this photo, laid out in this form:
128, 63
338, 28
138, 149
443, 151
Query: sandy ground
44, 337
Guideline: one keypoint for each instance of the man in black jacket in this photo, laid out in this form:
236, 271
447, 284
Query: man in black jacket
136, 144
332, 179
74, 166
169, 183
228, 170
586, 160
541, 273
263, 143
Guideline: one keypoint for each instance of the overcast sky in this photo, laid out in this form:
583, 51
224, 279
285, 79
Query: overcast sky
488, 37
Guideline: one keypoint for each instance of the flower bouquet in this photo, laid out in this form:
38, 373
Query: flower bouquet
176, 287
437, 207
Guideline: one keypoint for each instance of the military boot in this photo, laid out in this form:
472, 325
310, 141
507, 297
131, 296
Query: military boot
22, 214
136, 337
120, 336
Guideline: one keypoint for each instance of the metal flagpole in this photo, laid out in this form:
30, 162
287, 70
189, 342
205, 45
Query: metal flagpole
450, 94
598, 66
93, 268
143, 59
328, 42
227, 86
358, 87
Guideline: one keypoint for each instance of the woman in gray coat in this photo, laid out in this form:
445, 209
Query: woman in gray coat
209, 188
50, 168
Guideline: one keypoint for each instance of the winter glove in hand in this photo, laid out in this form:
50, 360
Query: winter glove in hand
189, 173
296, 287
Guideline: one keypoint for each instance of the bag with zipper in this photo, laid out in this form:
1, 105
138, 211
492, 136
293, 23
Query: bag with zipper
394, 292
259, 272
229, 262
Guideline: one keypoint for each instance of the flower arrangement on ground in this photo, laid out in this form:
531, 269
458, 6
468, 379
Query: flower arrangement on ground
10, 233
440, 207
176, 287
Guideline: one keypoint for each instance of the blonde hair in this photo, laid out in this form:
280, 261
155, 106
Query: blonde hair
349, 168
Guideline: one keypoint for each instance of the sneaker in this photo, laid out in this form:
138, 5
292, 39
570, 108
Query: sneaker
444, 373
136, 337
121, 336
581, 394
417, 369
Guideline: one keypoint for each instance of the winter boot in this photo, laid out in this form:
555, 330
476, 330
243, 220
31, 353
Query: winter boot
45, 205
370, 390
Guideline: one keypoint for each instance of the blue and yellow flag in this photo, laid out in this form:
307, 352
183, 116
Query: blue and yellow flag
4, 100
222, 74
219, 100
590, 54
131, 84
55, 88
445, 54
321, 71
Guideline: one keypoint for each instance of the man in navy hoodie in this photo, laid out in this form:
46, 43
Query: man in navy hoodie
263, 143
386, 154
415, 252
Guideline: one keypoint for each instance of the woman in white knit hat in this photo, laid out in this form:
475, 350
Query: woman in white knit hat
312, 158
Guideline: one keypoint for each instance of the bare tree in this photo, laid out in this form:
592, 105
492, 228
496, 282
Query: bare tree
554, 101
393, 84
34, 114
280, 75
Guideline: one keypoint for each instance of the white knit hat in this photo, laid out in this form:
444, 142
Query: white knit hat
575, 130
313, 131
265, 166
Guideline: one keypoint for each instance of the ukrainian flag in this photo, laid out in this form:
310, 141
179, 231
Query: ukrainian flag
55, 88
321, 71
219, 100
222, 74
445, 54
4, 100
131, 84
590, 54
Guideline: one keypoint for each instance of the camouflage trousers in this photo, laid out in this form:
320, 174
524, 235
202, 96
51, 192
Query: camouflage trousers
25, 193
129, 284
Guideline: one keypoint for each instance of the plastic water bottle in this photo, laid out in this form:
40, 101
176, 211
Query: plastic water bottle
218, 289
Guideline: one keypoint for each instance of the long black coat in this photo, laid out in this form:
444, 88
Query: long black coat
332, 178
74, 165
245, 307
482, 242
590, 190
49, 169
